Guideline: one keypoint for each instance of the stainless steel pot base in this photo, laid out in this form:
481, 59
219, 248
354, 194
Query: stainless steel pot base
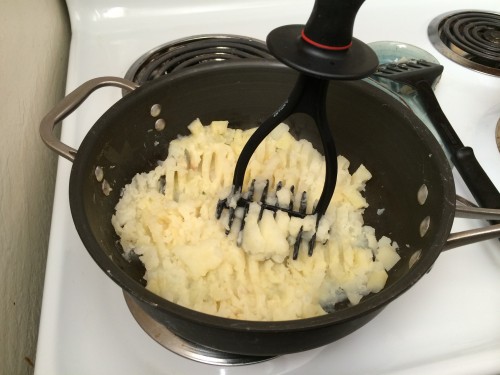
187, 349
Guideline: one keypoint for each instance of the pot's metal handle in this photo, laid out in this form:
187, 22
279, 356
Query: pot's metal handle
71, 102
467, 210
468, 237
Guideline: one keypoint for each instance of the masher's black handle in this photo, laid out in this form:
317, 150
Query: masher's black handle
331, 23
474, 176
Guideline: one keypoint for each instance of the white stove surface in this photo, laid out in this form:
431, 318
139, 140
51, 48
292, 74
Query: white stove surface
448, 323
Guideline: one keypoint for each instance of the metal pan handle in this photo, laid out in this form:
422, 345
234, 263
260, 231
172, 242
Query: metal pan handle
71, 102
468, 210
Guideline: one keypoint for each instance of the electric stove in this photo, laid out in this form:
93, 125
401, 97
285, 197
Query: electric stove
448, 323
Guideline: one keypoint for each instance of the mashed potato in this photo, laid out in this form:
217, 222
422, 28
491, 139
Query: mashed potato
167, 218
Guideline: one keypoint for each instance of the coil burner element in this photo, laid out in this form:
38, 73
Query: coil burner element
470, 38
184, 53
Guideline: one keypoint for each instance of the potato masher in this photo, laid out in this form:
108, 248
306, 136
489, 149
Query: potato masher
320, 51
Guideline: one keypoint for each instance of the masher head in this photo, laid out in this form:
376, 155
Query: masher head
238, 205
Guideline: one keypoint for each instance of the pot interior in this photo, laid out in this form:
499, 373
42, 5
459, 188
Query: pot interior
369, 126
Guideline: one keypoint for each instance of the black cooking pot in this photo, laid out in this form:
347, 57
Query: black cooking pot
412, 182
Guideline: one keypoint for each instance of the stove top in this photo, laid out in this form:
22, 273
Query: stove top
447, 323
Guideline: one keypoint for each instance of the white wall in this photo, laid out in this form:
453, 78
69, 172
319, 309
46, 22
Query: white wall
34, 41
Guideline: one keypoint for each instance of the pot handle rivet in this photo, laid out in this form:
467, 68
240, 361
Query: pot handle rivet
424, 226
160, 124
155, 110
422, 194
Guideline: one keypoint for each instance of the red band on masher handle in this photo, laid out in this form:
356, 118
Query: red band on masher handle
324, 46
